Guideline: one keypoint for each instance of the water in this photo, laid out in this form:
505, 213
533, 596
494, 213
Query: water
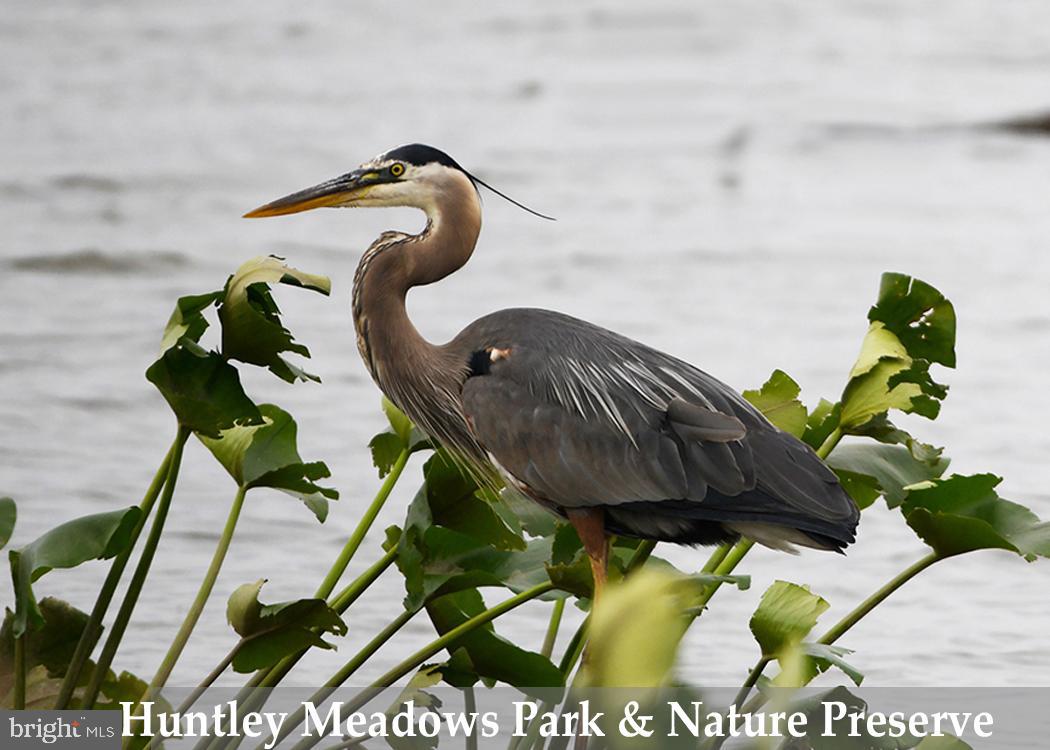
730, 180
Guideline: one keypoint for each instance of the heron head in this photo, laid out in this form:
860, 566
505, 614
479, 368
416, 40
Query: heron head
414, 175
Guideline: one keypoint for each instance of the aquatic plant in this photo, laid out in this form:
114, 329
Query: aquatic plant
458, 538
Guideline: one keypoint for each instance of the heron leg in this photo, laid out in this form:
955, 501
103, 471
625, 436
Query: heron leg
590, 525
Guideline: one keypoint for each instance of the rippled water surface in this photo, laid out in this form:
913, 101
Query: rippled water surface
730, 180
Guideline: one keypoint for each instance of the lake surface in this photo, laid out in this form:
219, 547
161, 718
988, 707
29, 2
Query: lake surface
730, 179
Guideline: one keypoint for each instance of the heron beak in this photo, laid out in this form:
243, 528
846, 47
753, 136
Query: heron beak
342, 191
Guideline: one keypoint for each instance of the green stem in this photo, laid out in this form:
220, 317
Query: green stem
19, 702
716, 557
552, 628
212, 677
413, 661
131, 596
252, 696
358, 536
93, 628
861, 610
197, 607
829, 443
342, 601
470, 706
728, 564
350, 667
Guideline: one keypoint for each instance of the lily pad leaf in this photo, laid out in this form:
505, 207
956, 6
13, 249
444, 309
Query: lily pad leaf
8, 516
252, 331
187, 320
99, 536
636, 628
785, 615
266, 455
911, 326
965, 513
778, 402
203, 389
891, 469
488, 655
270, 632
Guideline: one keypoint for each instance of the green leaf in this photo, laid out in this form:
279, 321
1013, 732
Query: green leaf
841, 736
822, 421
534, 519
187, 320
892, 468
403, 435
919, 316
49, 651
99, 536
826, 656
912, 326
778, 401
270, 632
51, 646
251, 325
8, 516
944, 742
490, 656
785, 615
456, 502
386, 447
203, 389
415, 693
636, 628
266, 455
964, 513
569, 568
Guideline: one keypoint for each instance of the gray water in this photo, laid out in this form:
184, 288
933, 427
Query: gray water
730, 180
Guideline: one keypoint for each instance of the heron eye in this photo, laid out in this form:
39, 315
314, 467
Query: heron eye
397, 169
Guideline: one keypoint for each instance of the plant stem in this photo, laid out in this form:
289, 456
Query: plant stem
470, 706
861, 610
413, 661
552, 628
351, 666
728, 564
105, 595
131, 596
342, 601
19, 702
858, 613
716, 557
212, 677
358, 536
252, 696
197, 607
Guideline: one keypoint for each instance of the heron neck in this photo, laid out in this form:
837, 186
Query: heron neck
393, 349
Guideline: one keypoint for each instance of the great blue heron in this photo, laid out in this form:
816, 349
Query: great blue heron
615, 436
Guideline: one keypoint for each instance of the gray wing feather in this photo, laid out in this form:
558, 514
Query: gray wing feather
584, 416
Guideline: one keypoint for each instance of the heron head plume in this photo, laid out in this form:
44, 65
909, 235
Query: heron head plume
413, 175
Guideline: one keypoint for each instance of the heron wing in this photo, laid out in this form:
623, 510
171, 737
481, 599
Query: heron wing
582, 416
